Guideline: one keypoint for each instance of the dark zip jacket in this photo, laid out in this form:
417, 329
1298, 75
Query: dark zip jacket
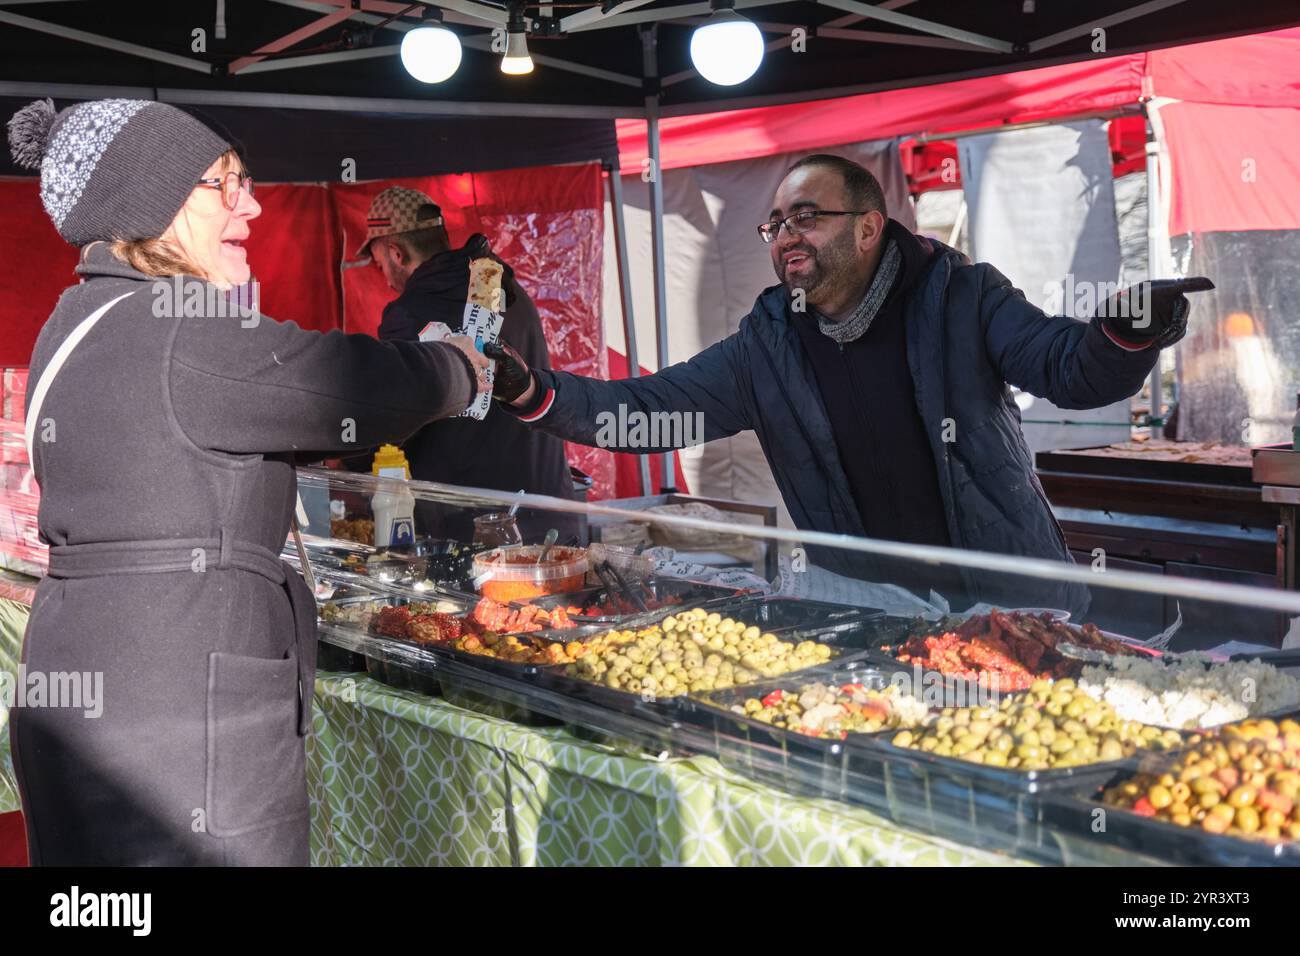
498, 452
969, 336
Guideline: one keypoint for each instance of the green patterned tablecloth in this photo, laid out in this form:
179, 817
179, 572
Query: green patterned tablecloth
398, 778
13, 622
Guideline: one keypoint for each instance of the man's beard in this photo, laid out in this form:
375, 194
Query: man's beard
832, 266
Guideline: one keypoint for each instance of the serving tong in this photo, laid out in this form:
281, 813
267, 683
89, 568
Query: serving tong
615, 583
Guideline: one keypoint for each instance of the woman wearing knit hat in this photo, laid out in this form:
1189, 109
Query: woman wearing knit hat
164, 446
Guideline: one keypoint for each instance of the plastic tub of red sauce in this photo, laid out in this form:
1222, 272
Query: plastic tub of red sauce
513, 574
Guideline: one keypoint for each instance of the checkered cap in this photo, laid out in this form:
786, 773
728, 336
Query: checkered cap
398, 209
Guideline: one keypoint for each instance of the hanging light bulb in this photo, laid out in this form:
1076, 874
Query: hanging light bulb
728, 49
516, 62
431, 53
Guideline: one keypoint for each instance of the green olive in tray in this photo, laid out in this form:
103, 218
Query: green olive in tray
692, 652
1054, 725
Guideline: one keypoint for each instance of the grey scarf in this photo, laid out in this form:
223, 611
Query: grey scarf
856, 325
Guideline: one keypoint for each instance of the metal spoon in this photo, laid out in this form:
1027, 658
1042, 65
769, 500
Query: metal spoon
515, 507
547, 543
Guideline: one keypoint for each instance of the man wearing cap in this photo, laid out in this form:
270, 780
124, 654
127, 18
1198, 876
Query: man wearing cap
406, 239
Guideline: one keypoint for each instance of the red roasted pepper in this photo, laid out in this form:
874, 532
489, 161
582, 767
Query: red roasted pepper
1144, 808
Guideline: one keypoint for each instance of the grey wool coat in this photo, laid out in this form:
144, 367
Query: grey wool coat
165, 453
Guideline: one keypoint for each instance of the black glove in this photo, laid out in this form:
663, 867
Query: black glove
1151, 312
512, 375
477, 246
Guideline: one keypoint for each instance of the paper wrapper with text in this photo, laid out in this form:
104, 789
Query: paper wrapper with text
482, 326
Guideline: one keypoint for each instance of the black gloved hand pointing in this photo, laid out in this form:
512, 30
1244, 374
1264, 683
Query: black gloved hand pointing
512, 374
1151, 312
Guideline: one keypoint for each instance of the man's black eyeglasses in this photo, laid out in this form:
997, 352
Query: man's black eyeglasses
799, 223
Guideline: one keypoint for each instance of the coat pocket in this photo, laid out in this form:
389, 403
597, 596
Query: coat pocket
256, 762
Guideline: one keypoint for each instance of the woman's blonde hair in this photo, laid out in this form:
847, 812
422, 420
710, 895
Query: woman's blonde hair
157, 256
154, 257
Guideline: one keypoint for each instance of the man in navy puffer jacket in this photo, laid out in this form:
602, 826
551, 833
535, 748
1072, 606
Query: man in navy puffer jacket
876, 376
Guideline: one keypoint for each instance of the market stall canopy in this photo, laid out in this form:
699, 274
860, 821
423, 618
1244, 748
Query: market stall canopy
1251, 71
589, 56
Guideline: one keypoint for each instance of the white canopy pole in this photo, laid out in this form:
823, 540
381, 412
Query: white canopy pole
625, 290
650, 71
1155, 259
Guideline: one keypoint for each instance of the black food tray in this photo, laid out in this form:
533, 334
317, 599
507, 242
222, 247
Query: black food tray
840, 624
508, 700
658, 719
794, 762
1071, 816
970, 803
402, 677
495, 701
386, 659
406, 665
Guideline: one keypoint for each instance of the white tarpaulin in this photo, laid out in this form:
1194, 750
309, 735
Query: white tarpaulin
716, 267
1042, 210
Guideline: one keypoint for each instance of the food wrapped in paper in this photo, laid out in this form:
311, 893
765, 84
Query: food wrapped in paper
485, 284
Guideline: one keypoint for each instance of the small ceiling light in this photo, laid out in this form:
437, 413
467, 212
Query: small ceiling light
516, 62
431, 53
728, 49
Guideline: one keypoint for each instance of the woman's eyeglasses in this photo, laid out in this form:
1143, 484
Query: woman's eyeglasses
230, 185
799, 223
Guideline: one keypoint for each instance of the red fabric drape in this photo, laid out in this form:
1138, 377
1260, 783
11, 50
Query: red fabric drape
294, 247
965, 104
1234, 168
36, 265
548, 223
1257, 71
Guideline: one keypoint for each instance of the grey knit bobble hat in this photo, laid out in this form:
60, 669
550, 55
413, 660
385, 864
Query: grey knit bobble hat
113, 169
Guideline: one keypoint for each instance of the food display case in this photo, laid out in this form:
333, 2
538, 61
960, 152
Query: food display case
1012, 727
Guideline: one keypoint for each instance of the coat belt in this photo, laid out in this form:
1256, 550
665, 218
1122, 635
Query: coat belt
169, 555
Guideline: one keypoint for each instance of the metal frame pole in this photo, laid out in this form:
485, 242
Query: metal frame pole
650, 72
625, 298
1155, 267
